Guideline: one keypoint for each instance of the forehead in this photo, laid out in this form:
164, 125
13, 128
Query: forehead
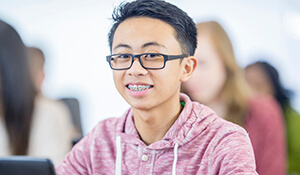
135, 32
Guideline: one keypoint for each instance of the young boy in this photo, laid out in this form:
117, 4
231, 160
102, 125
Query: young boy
152, 45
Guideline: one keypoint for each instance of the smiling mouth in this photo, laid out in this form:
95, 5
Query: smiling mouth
139, 87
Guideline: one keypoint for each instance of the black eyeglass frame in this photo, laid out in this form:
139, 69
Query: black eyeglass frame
166, 58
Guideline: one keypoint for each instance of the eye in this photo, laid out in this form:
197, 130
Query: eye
152, 56
123, 56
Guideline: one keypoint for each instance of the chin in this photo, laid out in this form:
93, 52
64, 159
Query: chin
138, 104
140, 107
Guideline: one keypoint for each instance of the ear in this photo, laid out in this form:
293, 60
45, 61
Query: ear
189, 66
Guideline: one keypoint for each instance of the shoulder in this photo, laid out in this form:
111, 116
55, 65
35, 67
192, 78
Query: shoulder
105, 128
227, 142
222, 133
264, 109
48, 103
216, 123
263, 102
217, 128
265, 119
107, 125
104, 131
224, 128
51, 113
46, 107
100, 137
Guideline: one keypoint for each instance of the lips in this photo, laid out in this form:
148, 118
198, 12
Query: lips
139, 87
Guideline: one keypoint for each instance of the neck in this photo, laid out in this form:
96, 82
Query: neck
152, 125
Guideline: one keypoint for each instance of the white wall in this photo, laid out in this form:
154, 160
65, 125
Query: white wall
73, 35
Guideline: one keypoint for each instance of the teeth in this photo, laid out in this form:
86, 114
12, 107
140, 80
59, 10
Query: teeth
138, 87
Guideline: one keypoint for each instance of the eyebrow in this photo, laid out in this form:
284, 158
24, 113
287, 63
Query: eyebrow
143, 46
152, 44
122, 45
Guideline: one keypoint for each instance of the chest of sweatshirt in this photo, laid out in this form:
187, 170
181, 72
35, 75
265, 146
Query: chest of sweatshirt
200, 147
194, 157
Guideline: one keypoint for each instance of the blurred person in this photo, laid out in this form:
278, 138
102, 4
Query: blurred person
22, 130
265, 80
37, 62
17, 94
163, 132
218, 82
50, 110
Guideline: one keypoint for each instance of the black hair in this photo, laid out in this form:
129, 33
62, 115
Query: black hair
17, 92
282, 94
185, 28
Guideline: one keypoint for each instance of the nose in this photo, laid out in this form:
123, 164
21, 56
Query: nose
136, 68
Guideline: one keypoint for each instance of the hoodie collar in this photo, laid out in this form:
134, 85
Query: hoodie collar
192, 120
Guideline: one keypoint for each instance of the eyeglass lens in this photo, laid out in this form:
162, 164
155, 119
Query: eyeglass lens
123, 61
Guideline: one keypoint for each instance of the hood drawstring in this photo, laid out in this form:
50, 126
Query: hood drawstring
175, 159
119, 156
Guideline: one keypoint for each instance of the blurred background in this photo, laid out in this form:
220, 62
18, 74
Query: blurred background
73, 36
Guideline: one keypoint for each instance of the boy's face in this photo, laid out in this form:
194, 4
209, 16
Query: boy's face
158, 88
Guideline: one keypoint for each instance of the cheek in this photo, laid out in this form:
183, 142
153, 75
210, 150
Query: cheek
256, 81
220, 78
254, 84
192, 84
264, 88
212, 81
117, 80
207, 77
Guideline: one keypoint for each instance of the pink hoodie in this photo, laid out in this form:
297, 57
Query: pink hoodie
199, 142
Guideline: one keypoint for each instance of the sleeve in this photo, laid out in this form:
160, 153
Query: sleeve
233, 154
76, 162
94, 153
267, 134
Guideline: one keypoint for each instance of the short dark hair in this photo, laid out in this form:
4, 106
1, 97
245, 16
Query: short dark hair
185, 28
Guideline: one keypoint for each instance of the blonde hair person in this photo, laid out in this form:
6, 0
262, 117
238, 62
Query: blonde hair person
236, 103
219, 83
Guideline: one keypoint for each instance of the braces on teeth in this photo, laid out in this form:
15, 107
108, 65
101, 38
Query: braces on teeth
138, 87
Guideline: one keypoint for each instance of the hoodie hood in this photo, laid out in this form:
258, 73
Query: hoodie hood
193, 119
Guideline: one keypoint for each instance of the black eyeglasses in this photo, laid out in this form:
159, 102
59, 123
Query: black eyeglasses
147, 60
